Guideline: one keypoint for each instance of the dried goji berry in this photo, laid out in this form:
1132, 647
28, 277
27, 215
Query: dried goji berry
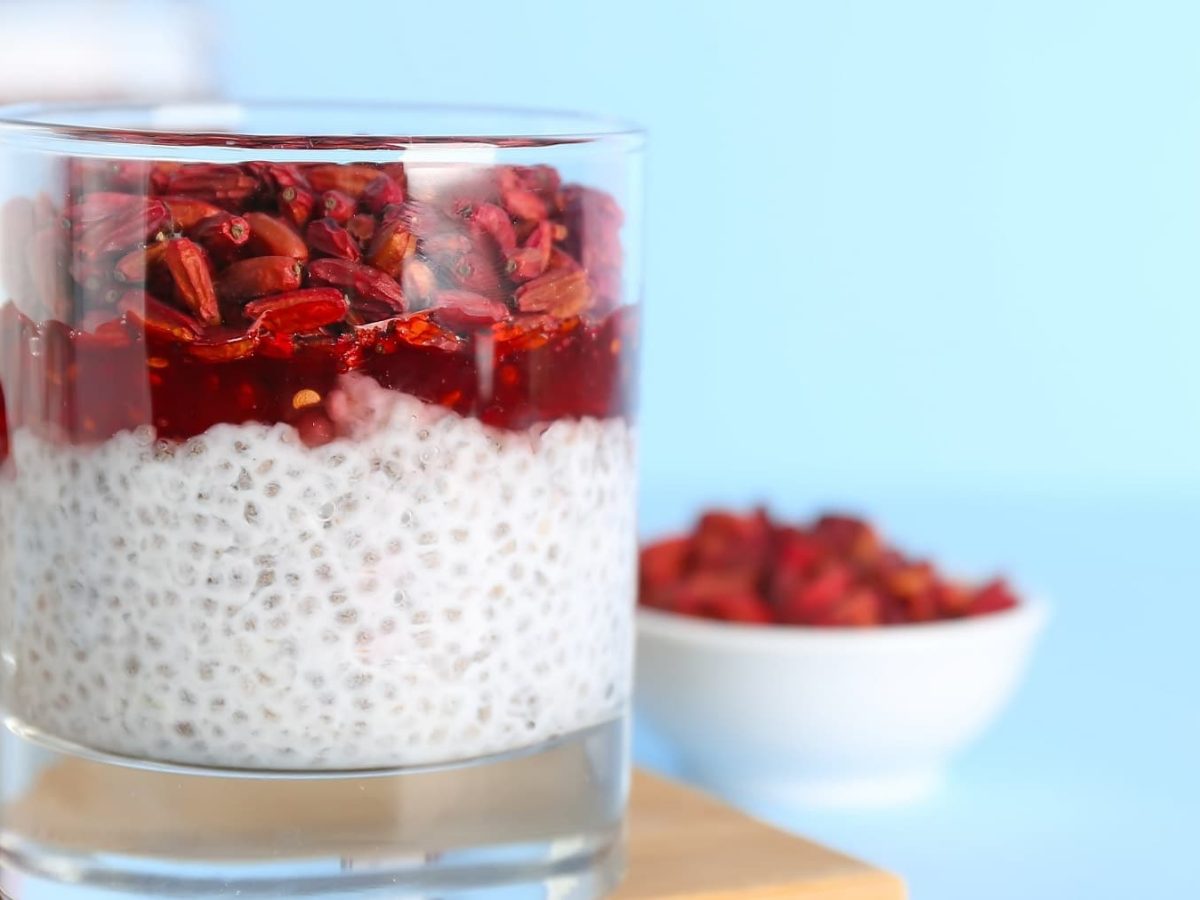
157, 318
834, 573
362, 228
224, 185
223, 345
136, 265
221, 234
125, 228
533, 257
271, 236
294, 197
189, 268
258, 276
995, 596
419, 283
100, 204
391, 246
363, 281
517, 197
303, 310
337, 205
561, 294
188, 212
494, 221
467, 311
381, 191
661, 566
349, 178
328, 237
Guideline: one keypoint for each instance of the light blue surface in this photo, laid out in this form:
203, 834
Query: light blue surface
931, 259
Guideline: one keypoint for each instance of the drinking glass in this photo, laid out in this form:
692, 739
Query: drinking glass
317, 500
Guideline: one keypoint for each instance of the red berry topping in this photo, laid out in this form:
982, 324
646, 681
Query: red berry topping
183, 295
835, 572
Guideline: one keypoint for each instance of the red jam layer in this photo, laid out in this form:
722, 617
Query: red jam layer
183, 296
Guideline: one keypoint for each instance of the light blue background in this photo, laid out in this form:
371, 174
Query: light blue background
934, 260
931, 243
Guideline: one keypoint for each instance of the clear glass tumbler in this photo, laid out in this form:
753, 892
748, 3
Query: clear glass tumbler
317, 499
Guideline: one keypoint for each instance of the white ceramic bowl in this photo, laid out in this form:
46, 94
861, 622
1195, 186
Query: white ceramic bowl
773, 716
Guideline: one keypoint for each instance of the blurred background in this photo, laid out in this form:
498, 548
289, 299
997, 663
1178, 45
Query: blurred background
931, 261
928, 246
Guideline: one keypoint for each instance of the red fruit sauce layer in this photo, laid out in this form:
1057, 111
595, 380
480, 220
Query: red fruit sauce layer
835, 572
185, 295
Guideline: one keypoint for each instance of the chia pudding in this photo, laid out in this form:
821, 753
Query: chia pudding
315, 467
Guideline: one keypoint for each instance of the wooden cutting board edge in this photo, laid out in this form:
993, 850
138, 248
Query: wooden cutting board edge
686, 844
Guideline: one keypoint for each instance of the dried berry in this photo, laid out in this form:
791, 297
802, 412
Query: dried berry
366, 312
363, 281
221, 234
467, 311
271, 236
137, 265
296, 204
518, 199
349, 179
259, 276
225, 185
381, 191
593, 223
156, 318
835, 573
220, 345
662, 565
995, 596
419, 283
294, 197
112, 174
328, 237
337, 206
392, 245
396, 212
533, 257
561, 294
189, 268
477, 271
188, 212
125, 228
494, 221
101, 204
362, 228
303, 310
724, 596
726, 541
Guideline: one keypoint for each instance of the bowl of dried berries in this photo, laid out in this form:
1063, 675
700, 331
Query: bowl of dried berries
814, 664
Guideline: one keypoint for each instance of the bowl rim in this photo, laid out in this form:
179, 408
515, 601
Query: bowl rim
1030, 615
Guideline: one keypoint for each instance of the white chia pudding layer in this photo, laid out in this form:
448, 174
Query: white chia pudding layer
424, 589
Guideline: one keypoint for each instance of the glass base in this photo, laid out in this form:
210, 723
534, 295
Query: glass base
539, 824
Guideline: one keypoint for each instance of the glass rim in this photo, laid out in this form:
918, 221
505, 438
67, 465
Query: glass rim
85, 122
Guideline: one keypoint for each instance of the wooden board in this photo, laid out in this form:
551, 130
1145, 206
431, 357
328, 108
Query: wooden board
682, 843
685, 844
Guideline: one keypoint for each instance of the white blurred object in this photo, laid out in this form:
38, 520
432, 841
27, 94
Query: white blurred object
778, 717
103, 49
